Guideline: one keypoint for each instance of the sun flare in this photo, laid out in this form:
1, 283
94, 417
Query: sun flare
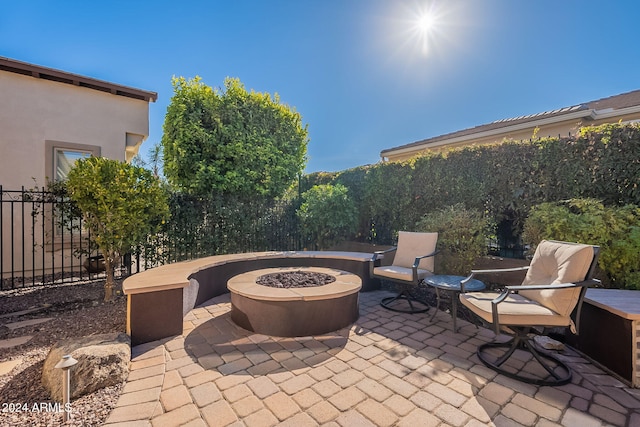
425, 23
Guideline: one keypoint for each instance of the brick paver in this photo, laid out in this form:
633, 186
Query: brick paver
388, 369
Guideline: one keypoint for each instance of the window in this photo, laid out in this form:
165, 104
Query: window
60, 157
64, 161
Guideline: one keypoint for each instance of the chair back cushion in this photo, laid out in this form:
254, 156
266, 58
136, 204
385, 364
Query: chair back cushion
412, 245
555, 263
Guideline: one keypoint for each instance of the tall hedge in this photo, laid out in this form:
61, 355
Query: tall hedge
504, 180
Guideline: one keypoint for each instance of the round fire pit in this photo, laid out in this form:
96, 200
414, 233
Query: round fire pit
282, 308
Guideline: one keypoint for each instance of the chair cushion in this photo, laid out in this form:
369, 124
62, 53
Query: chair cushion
554, 263
412, 245
514, 310
394, 272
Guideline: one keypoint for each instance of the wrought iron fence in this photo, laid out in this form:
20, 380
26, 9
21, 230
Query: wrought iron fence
40, 243
220, 225
42, 240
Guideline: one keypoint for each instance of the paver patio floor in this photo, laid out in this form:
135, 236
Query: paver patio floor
388, 369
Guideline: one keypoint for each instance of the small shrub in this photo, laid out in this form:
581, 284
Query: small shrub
461, 237
121, 204
327, 215
615, 229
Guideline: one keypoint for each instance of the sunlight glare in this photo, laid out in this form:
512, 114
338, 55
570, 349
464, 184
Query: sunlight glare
426, 32
424, 25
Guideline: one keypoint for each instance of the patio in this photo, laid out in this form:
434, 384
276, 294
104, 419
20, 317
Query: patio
387, 369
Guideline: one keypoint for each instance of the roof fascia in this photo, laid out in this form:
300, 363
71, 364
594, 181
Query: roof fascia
589, 114
37, 71
607, 114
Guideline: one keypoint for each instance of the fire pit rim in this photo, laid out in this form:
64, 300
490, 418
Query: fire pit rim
244, 285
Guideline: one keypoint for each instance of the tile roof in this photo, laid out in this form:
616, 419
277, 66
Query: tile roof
616, 102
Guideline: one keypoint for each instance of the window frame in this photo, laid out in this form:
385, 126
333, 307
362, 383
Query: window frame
52, 147
59, 238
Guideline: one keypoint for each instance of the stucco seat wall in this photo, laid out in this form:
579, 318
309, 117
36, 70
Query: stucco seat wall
159, 298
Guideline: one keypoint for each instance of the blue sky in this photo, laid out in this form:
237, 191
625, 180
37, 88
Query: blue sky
359, 71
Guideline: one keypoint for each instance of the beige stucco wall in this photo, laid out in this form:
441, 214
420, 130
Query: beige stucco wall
34, 110
34, 113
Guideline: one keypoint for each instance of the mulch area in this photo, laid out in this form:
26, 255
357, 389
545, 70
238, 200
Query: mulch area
75, 310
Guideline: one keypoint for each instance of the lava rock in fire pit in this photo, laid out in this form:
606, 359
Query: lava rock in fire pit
295, 279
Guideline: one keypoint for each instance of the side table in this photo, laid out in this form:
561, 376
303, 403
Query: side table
451, 284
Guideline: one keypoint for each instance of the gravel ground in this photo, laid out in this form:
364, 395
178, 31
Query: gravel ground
76, 310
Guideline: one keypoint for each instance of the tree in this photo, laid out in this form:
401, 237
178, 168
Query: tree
121, 204
327, 214
231, 141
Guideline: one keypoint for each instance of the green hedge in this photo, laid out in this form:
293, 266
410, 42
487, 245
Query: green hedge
615, 229
503, 180
461, 237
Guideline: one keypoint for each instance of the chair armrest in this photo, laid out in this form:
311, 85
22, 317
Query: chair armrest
377, 256
416, 263
380, 254
496, 270
514, 289
419, 258
491, 270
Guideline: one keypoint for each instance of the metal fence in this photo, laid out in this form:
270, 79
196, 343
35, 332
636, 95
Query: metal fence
39, 244
42, 240
221, 225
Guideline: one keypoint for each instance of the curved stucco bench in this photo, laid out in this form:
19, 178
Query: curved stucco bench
159, 298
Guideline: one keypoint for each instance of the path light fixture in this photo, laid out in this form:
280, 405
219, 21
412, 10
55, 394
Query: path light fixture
66, 363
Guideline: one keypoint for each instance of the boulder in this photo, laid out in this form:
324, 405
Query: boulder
103, 361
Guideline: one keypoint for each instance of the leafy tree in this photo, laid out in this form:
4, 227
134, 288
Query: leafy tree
231, 141
327, 214
121, 204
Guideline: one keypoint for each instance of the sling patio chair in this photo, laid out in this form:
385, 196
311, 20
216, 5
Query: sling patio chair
554, 287
413, 261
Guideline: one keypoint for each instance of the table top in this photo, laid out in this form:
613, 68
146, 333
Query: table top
452, 283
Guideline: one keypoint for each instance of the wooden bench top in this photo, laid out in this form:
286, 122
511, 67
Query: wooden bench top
176, 275
622, 302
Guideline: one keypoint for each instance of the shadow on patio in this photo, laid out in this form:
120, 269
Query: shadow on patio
387, 369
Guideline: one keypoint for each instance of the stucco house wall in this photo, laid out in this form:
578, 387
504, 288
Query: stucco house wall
44, 110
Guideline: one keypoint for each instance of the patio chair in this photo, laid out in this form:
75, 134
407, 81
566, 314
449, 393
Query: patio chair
554, 287
413, 261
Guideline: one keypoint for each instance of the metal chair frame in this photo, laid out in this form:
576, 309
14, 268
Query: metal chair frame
405, 292
522, 337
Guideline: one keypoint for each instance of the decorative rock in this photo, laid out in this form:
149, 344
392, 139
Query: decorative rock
14, 342
103, 361
24, 323
94, 264
548, 343
7, 366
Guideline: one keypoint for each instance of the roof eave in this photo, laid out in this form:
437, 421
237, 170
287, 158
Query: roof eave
37, 71
581, 114
607, 114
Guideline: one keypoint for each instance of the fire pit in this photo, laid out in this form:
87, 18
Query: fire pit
294, 302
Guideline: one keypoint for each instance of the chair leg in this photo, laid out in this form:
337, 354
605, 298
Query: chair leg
394, 303
559, 372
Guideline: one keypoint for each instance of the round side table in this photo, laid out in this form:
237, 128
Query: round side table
451, 284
